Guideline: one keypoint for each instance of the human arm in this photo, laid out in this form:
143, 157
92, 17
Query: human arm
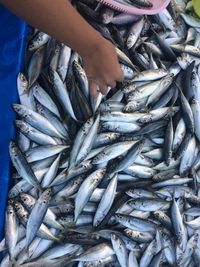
60, 20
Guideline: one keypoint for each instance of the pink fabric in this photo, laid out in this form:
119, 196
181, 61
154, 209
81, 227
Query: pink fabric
158, 6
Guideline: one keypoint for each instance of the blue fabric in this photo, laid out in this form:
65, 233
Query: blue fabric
13, 32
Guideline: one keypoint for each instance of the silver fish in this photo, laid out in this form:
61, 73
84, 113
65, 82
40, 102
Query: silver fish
22, 165
97, 252
35, 65
82, 133
178, 225
38, 40
36, 216
120, 250
62, 94
50, 218
86, 189
112, 151
125, 183
33, 134
11, 229
44, 98
134, 33
87, 143
43, 152
36, 120
106, 202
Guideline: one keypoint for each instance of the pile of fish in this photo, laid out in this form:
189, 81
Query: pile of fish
136, 3
112, 180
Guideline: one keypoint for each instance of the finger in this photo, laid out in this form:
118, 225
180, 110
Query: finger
112, 83
103, 89
93, 89
120, 76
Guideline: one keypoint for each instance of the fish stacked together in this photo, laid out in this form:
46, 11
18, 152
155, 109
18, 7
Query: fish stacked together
136, 3
113, 180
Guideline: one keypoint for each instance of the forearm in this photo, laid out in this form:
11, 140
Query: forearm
60, 20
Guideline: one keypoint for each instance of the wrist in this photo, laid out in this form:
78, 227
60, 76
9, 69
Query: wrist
92, 47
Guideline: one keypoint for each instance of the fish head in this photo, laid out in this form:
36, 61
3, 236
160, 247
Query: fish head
78, 180
128, 108
117, 240
105, 18
159, 214
20, 209
107, 15
98, 157
13, 149
40, 108
131, 40
31, 47
168, 79
133, 94
52, 75
22, 125
27, 199
119, 217
10, 209
132, 233
22, 83
67, 219
88, 123
163, 193
86, 164
131, 106
78, 69
146, 118
18, 109
184, 61
113, 236
35, 88
194, 101
46, 195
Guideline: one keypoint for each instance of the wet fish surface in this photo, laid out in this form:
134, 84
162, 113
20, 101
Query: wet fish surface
113, 180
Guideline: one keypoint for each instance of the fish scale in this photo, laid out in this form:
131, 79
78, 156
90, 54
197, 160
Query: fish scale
125, 185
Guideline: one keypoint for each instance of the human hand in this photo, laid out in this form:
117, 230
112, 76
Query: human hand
102, 68
98, 54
